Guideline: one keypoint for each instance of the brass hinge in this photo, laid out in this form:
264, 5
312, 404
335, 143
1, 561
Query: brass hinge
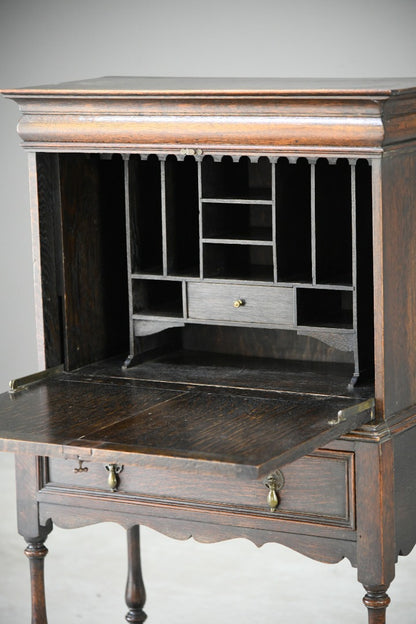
358, 408
19, 384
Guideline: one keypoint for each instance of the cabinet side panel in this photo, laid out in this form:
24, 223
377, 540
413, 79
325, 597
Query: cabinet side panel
399, 281
36, 254
94, 252
44, 182
364, 269
405, 490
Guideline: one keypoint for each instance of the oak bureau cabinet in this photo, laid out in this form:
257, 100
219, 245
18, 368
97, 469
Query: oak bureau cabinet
225, 275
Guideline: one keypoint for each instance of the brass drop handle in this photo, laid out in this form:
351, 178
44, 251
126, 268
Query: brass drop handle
238, 303
274, 482
113, 472
272, 498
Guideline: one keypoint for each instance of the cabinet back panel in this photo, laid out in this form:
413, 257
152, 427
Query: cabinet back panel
237, 221
279, 344
364, 268
182, 216
293, 221
145, 215
333, 222
251, 263
236, 180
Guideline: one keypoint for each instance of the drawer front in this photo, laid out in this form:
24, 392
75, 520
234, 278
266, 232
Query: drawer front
237, 303
317, 487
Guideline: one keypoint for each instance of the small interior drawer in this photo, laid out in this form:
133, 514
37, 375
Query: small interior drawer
317, 487
238, 303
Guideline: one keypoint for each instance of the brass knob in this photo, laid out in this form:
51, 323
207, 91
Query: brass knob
113, 472
238, 303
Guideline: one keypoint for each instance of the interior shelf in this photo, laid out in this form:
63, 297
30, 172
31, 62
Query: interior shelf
241, 180
181, 216
294, 220
233, 261
145, 210
325, 308
333, 222
237, 200
256, 240
157, 297
274, 221
237, 221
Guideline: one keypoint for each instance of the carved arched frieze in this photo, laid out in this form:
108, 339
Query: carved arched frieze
320, 549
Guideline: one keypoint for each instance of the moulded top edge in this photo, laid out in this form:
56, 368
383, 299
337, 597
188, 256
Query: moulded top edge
128, 86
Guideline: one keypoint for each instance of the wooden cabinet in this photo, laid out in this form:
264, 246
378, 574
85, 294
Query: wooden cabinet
225, 293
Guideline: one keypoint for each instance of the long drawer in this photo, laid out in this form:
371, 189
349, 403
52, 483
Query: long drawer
317, 487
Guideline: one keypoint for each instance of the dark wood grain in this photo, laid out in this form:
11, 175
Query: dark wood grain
318, 488
238, 434
36, 554
29, 476
256, 375
50, 239
182, 209
94, 259
147, 104
145, 211
405, 485
58, 411
235, 238
333, 225
396, 274
149, 121
135, 591
260, 304
290, 86
254, 434
293, 227
376, 600
278, 344
375, 493
203, 525
196, 428
364, 267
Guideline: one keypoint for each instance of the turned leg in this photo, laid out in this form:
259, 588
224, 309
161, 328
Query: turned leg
29, 474
376, 530
135, 591
376, 600
36, 553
